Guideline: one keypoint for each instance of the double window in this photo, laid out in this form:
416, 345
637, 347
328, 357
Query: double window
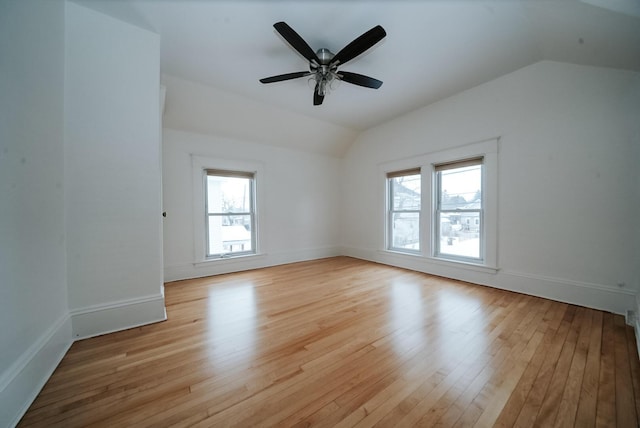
230, 213
444, 207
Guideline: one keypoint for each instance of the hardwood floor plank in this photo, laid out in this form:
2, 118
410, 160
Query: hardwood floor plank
502, 385
606, 403
342, 342
625, 403
355, 399
549, 409
379, 406
586, 412
529, 412
569, 403
464, 409
500, 389
551, 322
632, 348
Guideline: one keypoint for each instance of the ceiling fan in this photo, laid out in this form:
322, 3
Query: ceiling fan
323, 64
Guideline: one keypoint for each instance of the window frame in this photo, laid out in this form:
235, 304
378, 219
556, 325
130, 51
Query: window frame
437, 210
200, 164
391, 211
486, 149
251, 213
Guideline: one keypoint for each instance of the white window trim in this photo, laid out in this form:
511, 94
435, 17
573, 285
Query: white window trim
488, 149
199, 164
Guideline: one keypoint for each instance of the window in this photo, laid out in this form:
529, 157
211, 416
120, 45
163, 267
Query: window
442, 206
459, 210
230, 213
404, 210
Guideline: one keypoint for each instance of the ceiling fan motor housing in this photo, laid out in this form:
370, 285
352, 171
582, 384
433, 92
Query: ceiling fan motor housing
325, 56
324, 72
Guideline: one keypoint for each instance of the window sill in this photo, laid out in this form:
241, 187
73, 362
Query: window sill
228, 260
445, 262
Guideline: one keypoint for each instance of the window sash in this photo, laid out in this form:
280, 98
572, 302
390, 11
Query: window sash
440, 253
392, 211
231, 253
251, 214
392, 237
438, 211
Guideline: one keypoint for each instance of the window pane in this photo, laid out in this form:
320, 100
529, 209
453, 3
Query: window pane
405, 191
460, 234
405, 231
229, 234
228, 194
460, 188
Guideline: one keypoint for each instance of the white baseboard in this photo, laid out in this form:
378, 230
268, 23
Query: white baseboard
115, 316
217, 267
596, 296
21, 383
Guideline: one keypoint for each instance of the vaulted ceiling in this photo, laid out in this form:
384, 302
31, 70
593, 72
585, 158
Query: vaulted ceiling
433, 49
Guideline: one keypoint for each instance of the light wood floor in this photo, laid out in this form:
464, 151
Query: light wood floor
343, 342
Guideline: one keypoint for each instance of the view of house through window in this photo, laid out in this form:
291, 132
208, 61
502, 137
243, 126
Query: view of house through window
459, 209
404, 210
230, 213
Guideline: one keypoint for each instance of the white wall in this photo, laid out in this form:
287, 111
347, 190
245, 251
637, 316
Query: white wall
195, 107
113, 179
35, 330
301, 194
568, 159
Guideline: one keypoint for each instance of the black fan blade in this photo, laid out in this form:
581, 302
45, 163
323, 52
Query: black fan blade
296, 41
359, 79
317, 98
359, 45
288, 76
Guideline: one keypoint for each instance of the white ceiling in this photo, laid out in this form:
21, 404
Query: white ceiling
433, 49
